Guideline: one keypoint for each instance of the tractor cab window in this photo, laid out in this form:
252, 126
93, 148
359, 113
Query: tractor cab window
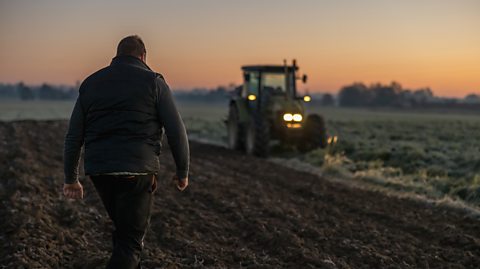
274, 83
251, 83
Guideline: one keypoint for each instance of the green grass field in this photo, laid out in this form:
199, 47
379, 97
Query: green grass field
434, 154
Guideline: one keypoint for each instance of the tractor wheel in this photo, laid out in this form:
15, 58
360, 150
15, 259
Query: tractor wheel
235, 130
314, 134
257, 138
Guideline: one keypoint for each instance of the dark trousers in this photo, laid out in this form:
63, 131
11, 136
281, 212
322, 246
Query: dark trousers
128, 201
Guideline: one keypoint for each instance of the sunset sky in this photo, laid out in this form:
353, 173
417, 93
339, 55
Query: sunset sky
418, 43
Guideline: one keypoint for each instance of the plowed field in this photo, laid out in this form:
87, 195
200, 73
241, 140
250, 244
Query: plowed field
239, 212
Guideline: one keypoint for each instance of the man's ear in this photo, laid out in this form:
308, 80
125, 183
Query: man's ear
143, 57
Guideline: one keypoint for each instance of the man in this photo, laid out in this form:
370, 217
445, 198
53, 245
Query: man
120, 115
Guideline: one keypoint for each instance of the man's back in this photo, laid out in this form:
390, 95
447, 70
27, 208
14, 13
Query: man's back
119, 115
122, 123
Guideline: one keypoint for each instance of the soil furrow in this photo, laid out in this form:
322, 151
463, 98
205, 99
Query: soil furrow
239, 211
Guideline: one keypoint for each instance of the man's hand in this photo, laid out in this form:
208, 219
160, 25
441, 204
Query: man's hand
73, 191
180, 183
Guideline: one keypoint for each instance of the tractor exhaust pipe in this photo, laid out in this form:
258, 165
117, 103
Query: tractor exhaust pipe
287, 80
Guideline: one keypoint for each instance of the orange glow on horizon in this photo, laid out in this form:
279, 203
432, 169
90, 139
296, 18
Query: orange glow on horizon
204, 44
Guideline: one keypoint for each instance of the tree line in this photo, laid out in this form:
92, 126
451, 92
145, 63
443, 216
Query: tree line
217, 94
41, 92
354, 95
393, 95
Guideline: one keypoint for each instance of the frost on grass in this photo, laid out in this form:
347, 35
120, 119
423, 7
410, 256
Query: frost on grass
433, 156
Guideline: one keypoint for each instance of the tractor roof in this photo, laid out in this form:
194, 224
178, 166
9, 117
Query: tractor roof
268, 68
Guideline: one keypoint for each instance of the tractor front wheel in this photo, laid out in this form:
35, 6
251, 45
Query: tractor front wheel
314, 134
257, 136
235, 130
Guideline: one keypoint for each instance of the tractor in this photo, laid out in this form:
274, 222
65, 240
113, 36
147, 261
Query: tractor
267, 108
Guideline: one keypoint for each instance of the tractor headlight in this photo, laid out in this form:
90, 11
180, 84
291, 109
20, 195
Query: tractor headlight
292, 117
287, 117
297, 117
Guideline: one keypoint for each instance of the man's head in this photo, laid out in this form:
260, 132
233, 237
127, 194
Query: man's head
133, 46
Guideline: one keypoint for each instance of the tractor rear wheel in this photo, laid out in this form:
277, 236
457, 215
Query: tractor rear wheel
314, 134
257, 138
235, 130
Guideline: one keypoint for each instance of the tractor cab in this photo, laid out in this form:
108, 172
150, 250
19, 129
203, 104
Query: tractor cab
271, 79
265, 81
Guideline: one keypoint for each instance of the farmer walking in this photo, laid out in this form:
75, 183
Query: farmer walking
120, 115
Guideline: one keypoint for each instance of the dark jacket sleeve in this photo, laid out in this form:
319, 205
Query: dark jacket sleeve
174, 127
73, 143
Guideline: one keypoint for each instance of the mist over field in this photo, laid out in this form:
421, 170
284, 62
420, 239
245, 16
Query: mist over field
428, 153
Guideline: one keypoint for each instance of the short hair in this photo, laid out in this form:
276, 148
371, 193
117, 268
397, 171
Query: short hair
131, 45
